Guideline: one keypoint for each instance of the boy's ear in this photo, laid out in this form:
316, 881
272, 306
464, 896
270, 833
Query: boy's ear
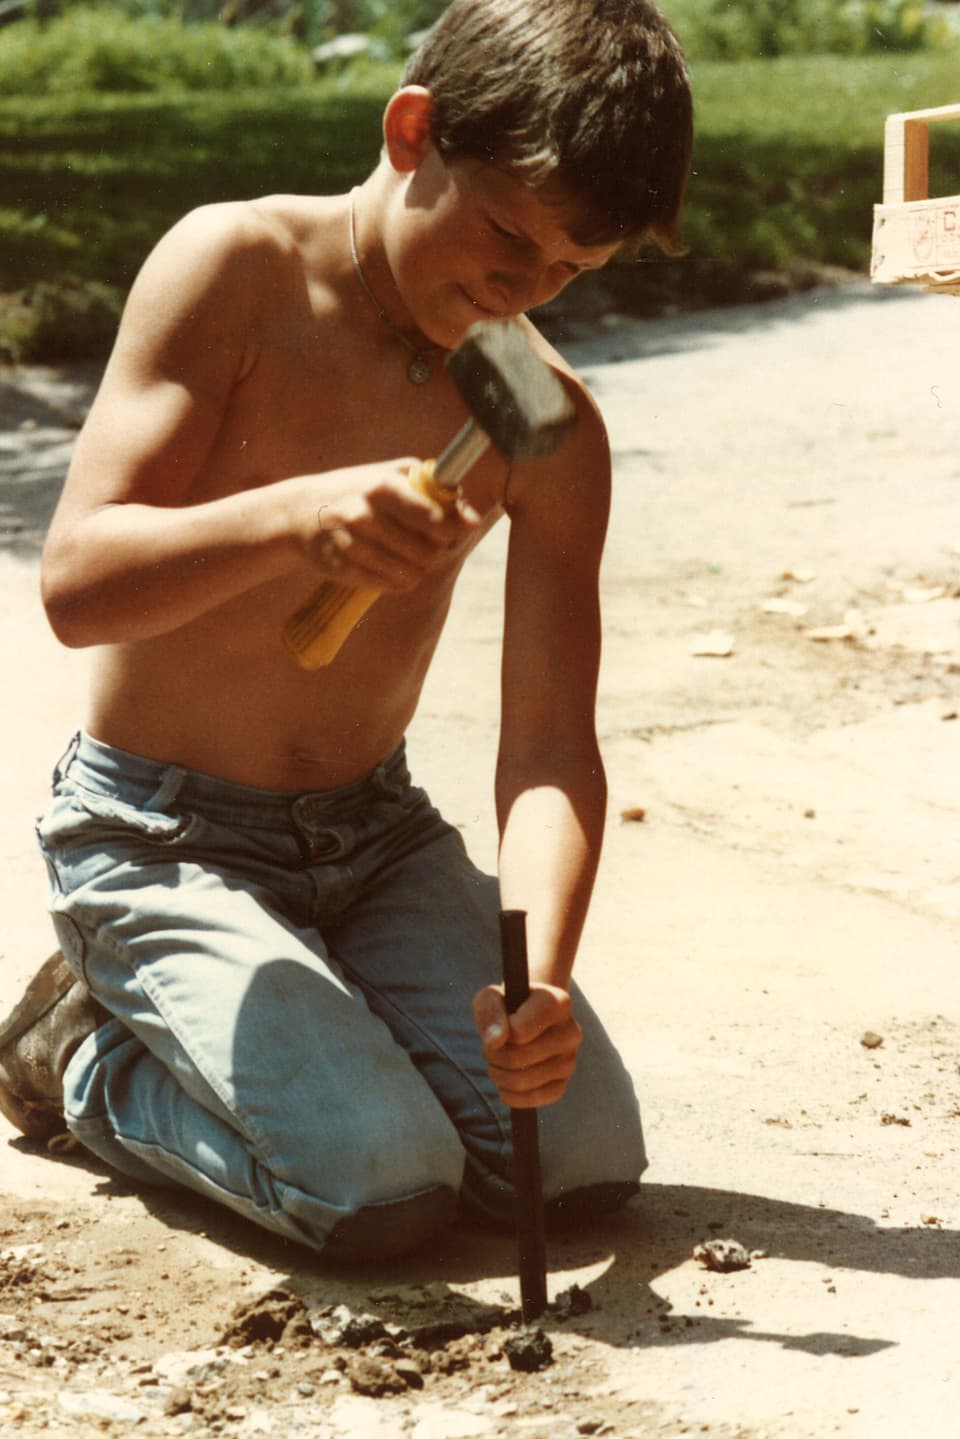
406, 127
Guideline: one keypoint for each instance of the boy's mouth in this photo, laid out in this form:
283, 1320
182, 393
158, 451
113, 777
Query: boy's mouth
484, 310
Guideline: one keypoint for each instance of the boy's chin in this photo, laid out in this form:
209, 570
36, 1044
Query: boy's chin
470, 314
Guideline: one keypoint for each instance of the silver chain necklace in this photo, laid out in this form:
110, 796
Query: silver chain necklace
419, 369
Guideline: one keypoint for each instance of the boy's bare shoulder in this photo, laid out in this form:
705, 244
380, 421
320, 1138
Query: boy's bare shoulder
217, 280
591, 431
274, 230
567, 493
575, 385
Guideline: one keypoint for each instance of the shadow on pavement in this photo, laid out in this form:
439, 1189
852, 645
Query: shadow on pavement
653, 1235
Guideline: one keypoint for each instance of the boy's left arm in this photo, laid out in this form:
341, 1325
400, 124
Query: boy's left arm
551, 790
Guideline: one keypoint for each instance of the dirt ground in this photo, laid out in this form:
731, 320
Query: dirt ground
773, 941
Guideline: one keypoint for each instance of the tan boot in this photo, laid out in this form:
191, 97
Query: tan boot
37, 1041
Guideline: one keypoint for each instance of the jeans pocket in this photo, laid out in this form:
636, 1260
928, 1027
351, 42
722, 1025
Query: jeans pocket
81, 817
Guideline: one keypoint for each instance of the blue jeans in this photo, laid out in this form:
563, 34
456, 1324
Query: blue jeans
290, 978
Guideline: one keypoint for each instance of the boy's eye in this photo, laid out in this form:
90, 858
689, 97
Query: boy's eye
501, 229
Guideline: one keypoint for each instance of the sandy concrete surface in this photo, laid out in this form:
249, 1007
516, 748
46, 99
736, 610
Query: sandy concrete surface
779, 716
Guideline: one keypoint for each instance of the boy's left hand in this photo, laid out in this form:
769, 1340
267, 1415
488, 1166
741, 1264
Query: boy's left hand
531, 1053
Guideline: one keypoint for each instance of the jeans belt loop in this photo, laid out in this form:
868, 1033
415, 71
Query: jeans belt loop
171, 784
66, 759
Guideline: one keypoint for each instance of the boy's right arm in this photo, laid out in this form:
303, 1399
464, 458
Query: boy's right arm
131, 553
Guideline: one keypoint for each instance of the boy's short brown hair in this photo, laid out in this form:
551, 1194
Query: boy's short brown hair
590, 96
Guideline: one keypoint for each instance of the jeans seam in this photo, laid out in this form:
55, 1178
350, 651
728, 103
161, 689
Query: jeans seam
249, 1131
433, 1043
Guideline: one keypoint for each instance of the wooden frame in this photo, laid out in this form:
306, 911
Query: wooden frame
916, 239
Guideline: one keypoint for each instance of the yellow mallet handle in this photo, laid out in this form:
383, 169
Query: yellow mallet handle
315, 633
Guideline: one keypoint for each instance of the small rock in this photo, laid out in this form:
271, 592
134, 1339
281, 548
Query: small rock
374, 1377
100, 1404
722, 1255
263, 1319
825, 633
177, 1401
871, 1040
571, 1302
776, 606
922, 594
715, 645
198, 1364
410, 1372
528, 1350
343, 1327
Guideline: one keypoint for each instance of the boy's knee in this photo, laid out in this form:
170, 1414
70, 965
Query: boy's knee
591, 1160
391, 1227
592, 1139
591, 1169
389, 1188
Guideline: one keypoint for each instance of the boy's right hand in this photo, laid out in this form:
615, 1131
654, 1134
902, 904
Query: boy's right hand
377, 530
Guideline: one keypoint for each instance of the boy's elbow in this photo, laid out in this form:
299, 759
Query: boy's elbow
66, 621
63, 606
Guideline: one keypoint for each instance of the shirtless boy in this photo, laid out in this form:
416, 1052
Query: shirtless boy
282, 984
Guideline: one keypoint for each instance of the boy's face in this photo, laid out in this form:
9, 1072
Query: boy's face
471, 242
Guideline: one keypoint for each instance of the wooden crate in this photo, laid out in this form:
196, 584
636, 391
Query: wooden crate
916, 239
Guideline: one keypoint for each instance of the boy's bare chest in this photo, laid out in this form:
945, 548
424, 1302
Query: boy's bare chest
317, 402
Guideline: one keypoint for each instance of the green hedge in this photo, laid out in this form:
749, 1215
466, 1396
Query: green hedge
101, 49
391, 21
87, 186
750, 29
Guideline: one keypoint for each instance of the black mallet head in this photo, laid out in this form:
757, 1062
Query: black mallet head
512, 394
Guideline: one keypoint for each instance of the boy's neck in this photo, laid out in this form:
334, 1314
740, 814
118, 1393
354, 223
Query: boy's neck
368, 205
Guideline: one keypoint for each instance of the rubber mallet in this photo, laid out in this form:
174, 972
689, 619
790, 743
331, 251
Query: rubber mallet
516, 403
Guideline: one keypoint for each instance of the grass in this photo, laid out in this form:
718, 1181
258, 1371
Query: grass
788, 163
87, 186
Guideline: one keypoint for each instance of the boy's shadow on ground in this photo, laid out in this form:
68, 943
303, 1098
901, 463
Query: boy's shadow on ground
625, 1253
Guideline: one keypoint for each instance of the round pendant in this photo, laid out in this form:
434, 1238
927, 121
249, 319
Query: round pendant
418, 371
